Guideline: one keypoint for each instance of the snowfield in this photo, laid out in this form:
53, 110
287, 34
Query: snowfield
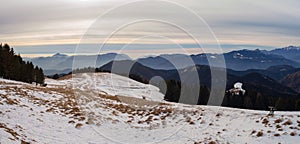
107, 108
111, 84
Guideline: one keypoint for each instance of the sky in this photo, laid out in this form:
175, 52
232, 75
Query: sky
147, 27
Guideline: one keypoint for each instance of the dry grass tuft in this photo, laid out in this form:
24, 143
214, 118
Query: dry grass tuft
253, 132
212, 142
218, 114
278, 120
78, 125
278, 126
192, 123
292, 133
288, 122
71, 121
114, 98
10, 131
24, 142
265, 121
65, 77
277, 134
259, 134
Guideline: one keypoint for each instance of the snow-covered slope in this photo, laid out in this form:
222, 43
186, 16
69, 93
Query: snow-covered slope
111, 84
106, 108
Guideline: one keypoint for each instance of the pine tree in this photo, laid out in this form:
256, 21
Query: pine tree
1, 61
280, 104
247, 102
40, 76
56, 76
297, 104
13, 67
260, 102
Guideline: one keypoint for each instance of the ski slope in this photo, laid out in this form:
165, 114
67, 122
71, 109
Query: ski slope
107, 108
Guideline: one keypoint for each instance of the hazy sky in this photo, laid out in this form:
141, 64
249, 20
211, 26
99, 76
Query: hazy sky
235, 24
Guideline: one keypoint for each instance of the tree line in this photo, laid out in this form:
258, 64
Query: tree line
258, 101
13, 67
252, 99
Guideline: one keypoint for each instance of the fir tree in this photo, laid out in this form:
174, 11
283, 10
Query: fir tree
13, 67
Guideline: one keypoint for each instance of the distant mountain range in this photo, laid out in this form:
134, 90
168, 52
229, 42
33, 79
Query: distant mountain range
236, 60
277, 72
60, 63
241, 60
290, 52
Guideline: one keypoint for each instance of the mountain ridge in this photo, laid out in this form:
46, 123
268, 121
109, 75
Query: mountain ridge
290, 52
255, 84
239, 60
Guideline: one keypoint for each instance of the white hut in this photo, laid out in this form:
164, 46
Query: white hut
237, 88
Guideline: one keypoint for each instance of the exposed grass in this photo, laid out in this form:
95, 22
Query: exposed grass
278, 120
78, 125
288, 122
276, 134
259, 134
15, 135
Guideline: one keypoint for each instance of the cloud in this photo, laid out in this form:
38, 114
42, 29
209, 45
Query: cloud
271, 23
133, 50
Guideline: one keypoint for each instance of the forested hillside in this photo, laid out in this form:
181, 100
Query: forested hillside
261, 91
13, 67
